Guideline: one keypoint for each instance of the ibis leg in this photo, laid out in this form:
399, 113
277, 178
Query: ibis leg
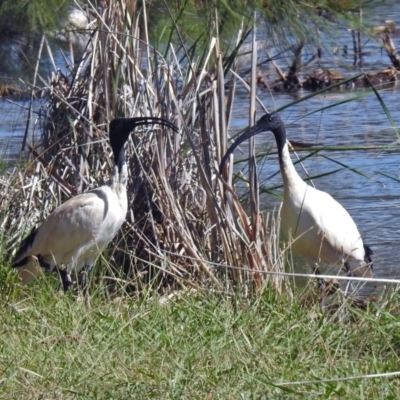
321, 281
66, 280
84, 282
349, 284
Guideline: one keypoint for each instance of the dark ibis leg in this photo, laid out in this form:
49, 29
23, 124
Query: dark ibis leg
84, 282
84, 279
66, 280
349, 284
327, 289
321, 281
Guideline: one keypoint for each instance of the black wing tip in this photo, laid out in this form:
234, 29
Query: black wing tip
19, 263
26, 244
368, 250
368, 253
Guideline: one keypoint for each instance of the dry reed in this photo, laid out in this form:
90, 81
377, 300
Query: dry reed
185, 224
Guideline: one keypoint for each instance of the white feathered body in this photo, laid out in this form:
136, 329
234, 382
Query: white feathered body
319, 228
76, 232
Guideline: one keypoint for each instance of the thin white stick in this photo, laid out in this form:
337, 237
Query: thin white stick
295, 274
350, 378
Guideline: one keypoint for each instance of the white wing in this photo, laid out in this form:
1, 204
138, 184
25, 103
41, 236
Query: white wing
323, 230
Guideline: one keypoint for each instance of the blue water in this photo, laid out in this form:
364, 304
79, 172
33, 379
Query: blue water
13, 116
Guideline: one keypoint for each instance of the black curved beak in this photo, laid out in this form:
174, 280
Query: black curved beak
131, 123
247, 134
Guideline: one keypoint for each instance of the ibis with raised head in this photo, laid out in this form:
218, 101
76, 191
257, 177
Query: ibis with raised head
76, 232
319, 228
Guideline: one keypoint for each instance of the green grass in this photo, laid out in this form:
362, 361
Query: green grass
191, 346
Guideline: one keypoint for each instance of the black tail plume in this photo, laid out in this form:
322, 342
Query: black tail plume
368, 254
25, 245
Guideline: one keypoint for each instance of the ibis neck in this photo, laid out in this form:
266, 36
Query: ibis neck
288, 171
120, 169
280, 138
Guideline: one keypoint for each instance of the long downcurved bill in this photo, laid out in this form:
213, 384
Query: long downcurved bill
156, 120
149, 121
247, 134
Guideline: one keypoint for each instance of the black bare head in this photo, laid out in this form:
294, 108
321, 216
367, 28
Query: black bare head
121, 128
268, 122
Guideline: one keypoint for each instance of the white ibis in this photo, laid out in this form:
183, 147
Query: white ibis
76, 232
320, 229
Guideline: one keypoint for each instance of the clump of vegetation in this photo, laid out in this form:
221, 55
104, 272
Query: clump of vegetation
185, 224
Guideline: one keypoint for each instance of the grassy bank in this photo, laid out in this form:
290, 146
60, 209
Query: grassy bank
192, 345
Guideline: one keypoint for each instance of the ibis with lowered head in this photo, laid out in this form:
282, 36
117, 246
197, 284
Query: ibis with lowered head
319, 228
76, 232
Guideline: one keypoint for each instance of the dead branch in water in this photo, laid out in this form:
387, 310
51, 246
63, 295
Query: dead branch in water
391, 51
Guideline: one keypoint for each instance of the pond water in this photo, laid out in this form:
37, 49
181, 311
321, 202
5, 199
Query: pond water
13, 117
372, 196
